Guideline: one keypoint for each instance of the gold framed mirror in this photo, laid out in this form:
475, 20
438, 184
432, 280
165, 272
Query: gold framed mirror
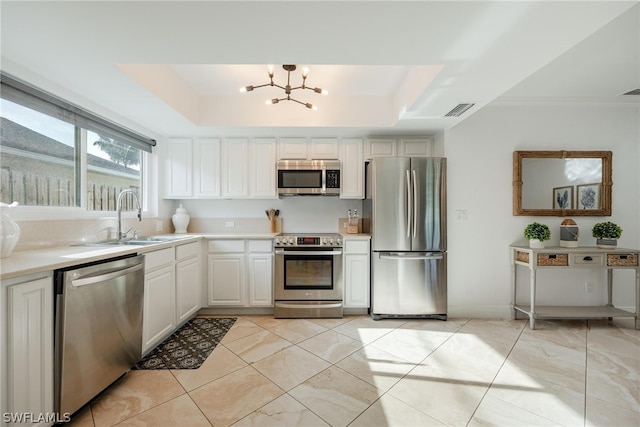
562, 183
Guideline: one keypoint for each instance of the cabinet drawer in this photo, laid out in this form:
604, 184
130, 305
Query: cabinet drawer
622, 260
260, 245
553, 260
188, 250
157, 258
356, 246
226, 246
584, 260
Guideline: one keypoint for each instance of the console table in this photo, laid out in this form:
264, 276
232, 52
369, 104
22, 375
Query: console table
573, 258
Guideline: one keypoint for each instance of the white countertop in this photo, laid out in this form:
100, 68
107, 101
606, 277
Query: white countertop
47, 259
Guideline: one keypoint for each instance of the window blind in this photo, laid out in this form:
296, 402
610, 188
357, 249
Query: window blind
29, 96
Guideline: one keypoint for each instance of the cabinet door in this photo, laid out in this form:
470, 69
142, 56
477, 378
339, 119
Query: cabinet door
187, 288
380, 148
226, 279
263, 168
159, 315
292, 148
352, 179
30, 347
416, 147
207, 167
235, 168
180, 167
260, 280
356, 280
324, 148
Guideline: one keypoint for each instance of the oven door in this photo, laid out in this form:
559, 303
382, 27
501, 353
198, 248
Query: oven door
308, 274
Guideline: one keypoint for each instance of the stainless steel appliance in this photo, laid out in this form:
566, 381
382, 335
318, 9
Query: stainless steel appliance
406, 206
308, 177
308, 276
98, 328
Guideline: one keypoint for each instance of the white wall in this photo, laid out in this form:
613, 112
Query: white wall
479, 152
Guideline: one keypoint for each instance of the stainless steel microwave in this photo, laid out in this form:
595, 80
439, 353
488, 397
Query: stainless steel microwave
308, 177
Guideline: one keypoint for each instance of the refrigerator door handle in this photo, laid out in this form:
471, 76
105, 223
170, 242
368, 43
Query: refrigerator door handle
415, 202
398, 256
409, 204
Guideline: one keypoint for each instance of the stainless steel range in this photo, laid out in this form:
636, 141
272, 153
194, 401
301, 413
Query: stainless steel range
308, 276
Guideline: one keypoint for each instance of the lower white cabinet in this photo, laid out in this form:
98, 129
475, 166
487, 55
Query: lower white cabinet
240, 273
159, 313
171, 291
356, 264
27, 374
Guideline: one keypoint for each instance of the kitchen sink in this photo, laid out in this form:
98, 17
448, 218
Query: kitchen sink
138, 241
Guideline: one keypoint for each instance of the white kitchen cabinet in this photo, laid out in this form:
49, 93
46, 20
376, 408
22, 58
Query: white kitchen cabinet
159, 313
292, 149
380, 148
27, 373
179, 167
416, 147
401, 147
235, 168
206, 155
187, 281
263, 168
356, 264
323, 148
352, 174
260, 258
240, 273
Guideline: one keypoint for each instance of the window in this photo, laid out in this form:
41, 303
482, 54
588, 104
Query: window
55, 154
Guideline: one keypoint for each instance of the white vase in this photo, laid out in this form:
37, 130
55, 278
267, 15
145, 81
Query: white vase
536, 244
180, 220
9, 231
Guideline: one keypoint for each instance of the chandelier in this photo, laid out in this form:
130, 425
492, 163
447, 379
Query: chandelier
288, 89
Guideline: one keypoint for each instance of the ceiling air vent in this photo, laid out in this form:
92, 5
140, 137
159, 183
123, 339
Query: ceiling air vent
633, 92
459, 110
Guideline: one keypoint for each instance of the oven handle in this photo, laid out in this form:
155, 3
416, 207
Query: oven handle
304, 253
287, 305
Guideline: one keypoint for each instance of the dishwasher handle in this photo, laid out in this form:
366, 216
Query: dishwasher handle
102, 277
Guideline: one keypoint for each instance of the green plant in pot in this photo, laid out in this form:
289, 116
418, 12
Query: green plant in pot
537, 234
607, 234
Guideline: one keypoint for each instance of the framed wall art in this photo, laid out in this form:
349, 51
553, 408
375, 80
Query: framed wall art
563, 197
588, 197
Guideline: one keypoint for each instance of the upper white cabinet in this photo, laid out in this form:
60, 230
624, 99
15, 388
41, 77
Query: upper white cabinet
352, 179
235, 168
263, 168
292, 149
323, 148
207, 167
303, 149
403, 147
179, 165
211, 168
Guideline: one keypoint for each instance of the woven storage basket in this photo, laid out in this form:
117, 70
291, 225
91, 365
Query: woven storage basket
622, 260
551, 260
522, 257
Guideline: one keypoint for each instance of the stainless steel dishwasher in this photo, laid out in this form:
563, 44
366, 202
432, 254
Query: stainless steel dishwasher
98, 334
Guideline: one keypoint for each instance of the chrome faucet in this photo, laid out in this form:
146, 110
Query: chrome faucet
120, 234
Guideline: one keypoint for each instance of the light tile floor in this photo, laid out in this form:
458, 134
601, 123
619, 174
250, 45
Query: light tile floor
357, 372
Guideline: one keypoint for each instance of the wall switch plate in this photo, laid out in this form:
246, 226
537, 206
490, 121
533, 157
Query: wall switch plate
588, 287
159, 226
229, 224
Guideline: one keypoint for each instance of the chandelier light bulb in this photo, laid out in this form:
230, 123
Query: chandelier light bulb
305, 72
270, 70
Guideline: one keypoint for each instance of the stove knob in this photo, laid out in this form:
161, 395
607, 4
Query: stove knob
338, 242
331, 241
276, 242
324, 241
291, 241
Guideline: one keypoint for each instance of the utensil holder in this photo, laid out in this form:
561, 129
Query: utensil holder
273, 225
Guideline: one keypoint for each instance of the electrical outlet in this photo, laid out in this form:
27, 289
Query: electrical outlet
588, 287
229, 224
159, 226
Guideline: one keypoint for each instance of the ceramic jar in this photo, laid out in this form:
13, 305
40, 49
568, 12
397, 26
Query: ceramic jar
9, 230
180, 220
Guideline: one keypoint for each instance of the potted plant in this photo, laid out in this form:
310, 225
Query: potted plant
537, 234
607, 234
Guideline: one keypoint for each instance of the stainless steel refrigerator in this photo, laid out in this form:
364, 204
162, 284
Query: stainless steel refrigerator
405, 206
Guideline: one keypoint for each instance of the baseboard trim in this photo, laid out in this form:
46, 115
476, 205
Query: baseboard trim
480, 312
